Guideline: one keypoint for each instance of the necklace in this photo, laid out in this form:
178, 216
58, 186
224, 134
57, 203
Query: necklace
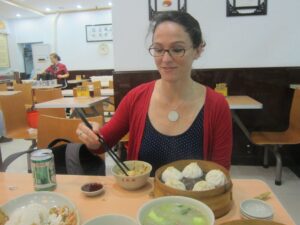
173, 115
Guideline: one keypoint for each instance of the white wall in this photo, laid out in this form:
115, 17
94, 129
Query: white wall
232, 42
70, 41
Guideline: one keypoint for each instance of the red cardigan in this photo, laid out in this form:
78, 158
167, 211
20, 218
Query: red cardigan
131, 116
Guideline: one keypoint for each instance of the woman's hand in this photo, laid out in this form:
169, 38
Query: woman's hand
59, 76
88, 137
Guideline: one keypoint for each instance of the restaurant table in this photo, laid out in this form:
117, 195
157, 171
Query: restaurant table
72, 102
116, 200
104, 92
8, 93
295, 86
242, 102
76, 81
47, 86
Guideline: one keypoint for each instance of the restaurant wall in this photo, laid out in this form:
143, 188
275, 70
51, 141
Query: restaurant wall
66, 37
232, 42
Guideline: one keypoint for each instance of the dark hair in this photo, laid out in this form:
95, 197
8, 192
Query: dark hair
55, 56
189, 23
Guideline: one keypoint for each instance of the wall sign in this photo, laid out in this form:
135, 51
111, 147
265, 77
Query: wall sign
246, 7
98, 32
158, 6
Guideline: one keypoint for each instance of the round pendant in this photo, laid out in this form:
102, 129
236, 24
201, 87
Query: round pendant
173, 116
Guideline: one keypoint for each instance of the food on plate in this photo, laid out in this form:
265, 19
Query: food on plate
37, 214
203, 186
192, 171
3, 217
175, 184
216, 177
174, 214
193, 178
171, 173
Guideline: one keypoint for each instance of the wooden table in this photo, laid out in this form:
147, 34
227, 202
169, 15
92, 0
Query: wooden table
243, 102
295, 86
76, 81
71, 102
47, 87
104, 92
115, 200
8, 93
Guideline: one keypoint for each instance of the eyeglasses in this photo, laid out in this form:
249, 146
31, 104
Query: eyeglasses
173, 52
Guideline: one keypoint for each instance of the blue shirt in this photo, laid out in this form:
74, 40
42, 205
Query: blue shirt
159, 149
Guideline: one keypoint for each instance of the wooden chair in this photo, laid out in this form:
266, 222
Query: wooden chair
15, 120
273, 140
109, 107
3, 87
26, 90
51, 128
44, 95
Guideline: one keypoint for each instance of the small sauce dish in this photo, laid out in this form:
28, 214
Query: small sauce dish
92, 189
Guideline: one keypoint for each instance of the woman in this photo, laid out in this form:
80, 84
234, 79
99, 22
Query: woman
58, 69
174, 117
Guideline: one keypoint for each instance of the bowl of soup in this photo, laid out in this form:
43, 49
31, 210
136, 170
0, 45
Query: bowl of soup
138, 174
176, 210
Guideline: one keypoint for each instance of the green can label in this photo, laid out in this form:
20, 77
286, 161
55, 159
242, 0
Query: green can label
43, 170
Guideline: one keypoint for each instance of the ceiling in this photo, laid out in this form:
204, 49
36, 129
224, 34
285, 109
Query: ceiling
9, 9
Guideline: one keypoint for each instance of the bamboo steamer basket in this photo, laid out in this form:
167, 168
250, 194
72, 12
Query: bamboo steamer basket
219, 199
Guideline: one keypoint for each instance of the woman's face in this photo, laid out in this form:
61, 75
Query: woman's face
170, 35
53, 59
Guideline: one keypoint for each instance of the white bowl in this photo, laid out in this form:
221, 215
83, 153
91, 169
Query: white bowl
92, 193
111, 220
203, 208
256, 209
132, 182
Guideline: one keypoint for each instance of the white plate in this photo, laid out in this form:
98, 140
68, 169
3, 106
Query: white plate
111, 220
48, 199
256, 209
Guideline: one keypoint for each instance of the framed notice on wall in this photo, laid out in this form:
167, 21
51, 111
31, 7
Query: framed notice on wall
98, 32
4, 56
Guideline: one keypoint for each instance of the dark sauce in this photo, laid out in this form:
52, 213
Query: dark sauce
92, 187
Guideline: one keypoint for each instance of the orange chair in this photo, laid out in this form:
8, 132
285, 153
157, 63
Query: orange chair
44, 95
3, 87
26, 90
273, 140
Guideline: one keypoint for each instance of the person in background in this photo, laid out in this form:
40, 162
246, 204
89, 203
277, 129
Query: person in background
174, 117
58, 70
3, 139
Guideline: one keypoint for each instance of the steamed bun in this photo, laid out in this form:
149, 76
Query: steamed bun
192, 171
171, 172
203, 186
216, 177
175, 184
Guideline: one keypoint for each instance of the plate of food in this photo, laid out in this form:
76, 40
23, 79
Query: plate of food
39, 208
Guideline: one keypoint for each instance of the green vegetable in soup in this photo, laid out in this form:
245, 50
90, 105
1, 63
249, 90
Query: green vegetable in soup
174, 214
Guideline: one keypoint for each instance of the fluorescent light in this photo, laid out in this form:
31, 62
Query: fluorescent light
48, 9
78, 6
18, 15
110, 3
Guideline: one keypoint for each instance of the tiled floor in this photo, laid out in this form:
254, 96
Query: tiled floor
288, 193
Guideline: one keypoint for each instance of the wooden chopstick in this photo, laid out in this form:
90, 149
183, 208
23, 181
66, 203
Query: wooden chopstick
112, 154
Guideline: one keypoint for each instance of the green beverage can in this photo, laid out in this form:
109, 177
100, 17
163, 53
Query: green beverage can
43, 170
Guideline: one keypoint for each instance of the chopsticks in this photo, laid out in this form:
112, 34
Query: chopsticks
112, 154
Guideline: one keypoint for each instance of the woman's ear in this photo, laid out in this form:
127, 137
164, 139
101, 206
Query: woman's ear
198, 52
